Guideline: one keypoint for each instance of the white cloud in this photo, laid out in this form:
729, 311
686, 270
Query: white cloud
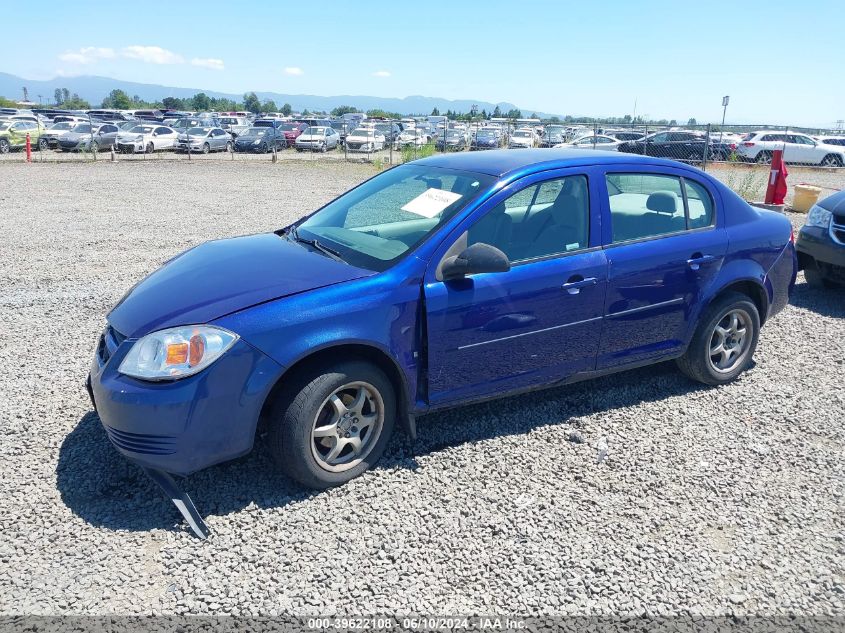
381, 73
152, 55
208, 62
87, 55
294, 70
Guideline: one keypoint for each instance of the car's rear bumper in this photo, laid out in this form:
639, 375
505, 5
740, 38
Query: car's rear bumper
185, 425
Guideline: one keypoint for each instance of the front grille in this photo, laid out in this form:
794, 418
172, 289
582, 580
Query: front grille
355, 145
142, 443
837, 228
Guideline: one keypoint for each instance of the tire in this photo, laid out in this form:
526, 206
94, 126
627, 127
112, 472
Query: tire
305, 406
229, 147
206, 148
815, 278
264, 148
831, 160
715, 327
95, 147
150, 148
42, 144
764, 158
323, 148
5, 148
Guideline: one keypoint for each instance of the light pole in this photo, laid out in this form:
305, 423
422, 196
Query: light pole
725, 100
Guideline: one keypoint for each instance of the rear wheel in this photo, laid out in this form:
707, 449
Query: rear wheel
264, 148
229, 147
724, 341
5, 148
831, 160
333, 424
764, 158
150, 148
206, 148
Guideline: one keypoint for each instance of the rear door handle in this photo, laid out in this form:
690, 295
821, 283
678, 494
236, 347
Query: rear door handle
695, 262
574, 286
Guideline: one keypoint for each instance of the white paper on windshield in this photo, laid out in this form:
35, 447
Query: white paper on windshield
431, 202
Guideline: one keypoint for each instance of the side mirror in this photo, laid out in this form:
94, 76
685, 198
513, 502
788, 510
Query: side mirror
478, 258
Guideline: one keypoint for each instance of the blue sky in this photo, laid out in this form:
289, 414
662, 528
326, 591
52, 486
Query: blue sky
675, 59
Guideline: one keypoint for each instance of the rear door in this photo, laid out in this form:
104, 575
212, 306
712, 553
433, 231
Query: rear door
665, 243
538, 323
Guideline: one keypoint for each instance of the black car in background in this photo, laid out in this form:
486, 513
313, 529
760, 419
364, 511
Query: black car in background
821, 243
487, 139
261, 139
679, 145
390, 131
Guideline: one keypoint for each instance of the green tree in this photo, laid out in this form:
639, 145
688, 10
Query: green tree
117, 100
287, 109
269, 106
251, 103
305, 112
7, 103
435, 112
172, 103
514, 113
692, 122
200, 102
673, 122
75, 102
58, 94
497, 113
65, 94
344, 109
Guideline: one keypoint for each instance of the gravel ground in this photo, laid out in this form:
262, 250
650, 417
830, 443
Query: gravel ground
709, 501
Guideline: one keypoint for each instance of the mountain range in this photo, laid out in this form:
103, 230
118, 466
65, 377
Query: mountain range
93, 89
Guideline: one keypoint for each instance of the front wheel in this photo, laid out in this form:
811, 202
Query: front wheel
334, 424
764, 158
831, 160
206, 148
229, 147
150, 148
5, 147
42, 144
724, 341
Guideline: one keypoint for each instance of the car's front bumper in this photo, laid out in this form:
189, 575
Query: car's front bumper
130, 146
184, 425
816, 242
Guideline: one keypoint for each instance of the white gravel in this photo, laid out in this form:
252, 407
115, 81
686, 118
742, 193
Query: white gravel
638, 493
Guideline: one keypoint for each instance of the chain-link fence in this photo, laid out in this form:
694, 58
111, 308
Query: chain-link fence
391, 142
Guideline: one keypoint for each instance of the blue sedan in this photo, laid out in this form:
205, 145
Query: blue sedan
444, 281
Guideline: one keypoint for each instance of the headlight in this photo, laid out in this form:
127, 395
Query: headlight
818, 217
176, 352
139, 138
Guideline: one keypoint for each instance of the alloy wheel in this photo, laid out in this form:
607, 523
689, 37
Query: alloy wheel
347, 426
730, 340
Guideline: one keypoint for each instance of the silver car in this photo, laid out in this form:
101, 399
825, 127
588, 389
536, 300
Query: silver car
318, 138
205, 140
88, 137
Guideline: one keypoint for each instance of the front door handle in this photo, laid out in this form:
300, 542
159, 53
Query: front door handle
574, 285
696, 260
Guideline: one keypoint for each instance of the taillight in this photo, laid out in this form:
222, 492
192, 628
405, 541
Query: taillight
748, 144
733, 145
792, 234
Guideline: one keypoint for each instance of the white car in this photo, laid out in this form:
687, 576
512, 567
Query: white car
317, 138
831, 140
56, 131
147, 138
523, 138
365, 140
411, 137
797, 148
599, 141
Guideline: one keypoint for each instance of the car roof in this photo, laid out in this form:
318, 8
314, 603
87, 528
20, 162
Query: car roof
503, 162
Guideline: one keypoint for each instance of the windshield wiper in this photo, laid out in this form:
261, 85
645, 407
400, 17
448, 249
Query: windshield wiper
325, 250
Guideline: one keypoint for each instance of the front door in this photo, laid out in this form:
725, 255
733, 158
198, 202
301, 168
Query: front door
537, 323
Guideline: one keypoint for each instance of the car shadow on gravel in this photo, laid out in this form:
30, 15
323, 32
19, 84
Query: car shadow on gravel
103, 488
825, 301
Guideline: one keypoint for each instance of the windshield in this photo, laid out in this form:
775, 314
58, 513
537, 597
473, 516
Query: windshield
313, 129
4, 125
486, 134
255, 131
289, 127
522, 134
375, 224
82, 128
142, 129
362, 131
63, 125
197, 131
453, 134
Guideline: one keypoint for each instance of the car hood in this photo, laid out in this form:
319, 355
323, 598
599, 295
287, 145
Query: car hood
309, 137
220, 277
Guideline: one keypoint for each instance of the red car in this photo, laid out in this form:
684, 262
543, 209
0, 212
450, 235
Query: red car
292, 131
